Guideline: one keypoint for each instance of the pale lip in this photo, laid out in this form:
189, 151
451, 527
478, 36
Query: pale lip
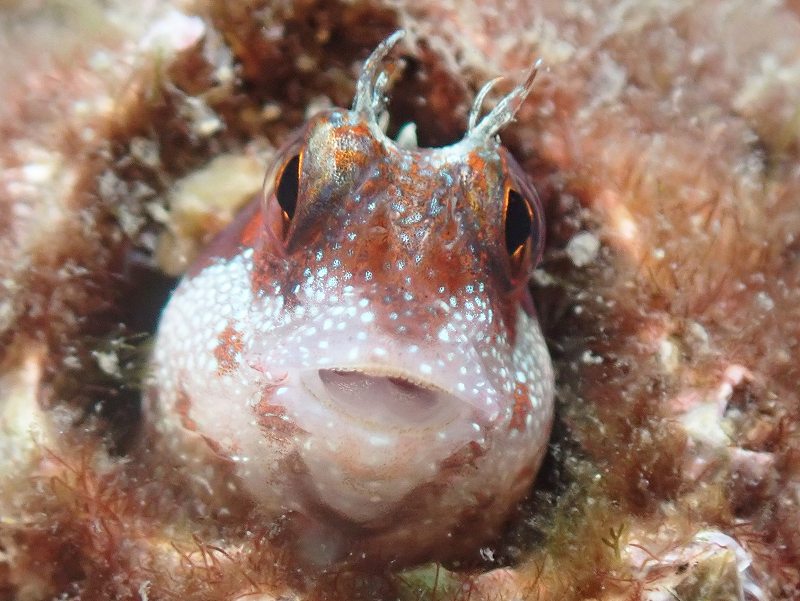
384, 398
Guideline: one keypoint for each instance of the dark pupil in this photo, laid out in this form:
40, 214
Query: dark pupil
286, 191
518, 222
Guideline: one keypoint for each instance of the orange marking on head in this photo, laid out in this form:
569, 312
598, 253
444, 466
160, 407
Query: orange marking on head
478, 192
476, 163
182, 406
272, 419
465, 456
350, 156
521, 409
227, 351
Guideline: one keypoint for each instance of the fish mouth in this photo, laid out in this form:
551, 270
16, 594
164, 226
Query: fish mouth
383, 398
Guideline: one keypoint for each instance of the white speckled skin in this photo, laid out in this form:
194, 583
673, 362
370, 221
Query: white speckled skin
371, 366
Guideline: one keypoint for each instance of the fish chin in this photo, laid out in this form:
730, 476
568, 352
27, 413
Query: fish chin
365, 427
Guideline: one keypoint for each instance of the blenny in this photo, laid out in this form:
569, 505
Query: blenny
360, 347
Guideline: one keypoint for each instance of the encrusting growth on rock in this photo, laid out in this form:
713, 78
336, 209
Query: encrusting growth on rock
662, 140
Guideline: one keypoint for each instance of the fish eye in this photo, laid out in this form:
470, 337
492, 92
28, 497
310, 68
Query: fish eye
287, 186
518, 223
